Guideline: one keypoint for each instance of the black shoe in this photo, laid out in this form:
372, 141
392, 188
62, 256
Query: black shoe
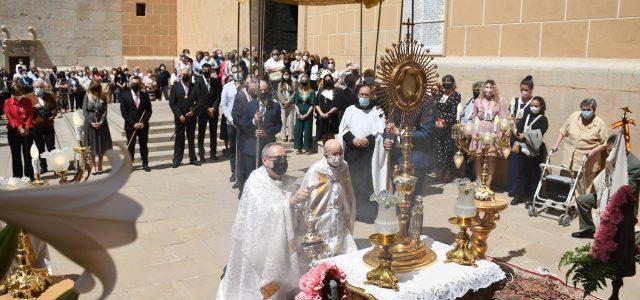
585, 234
235, 186
195, 163
175, 165
213, 157
146, 168
232, 178
511, 194
224, 151
515, 201
203, 160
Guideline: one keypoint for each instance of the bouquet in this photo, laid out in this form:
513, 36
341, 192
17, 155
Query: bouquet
316, 282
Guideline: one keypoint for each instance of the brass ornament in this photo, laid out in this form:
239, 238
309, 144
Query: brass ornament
462, 253
26, 282
383, 276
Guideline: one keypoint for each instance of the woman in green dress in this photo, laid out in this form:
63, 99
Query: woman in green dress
305, 100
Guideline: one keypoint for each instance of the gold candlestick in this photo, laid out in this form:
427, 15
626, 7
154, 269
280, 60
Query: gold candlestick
383, 275
462, 253
25, 283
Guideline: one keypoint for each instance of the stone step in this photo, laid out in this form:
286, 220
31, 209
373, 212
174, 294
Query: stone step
168, 145
167, 155
159, 129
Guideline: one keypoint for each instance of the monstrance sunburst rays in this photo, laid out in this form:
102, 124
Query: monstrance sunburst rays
404, 74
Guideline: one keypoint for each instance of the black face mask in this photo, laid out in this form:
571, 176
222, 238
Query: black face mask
186, 78
264, 95
135, 87
447, 85
476, 95
206, 74
280, 166
328, 83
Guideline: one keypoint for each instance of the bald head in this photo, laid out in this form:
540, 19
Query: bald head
332, 147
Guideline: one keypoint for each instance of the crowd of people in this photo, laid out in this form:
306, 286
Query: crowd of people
303, 98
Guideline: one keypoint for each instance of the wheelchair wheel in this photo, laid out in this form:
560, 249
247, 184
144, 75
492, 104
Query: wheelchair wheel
532, 211
564, 220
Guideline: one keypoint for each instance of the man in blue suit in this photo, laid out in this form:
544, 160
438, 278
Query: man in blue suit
420, 157
259, 123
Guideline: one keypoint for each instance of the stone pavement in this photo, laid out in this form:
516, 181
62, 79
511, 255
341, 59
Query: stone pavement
184, 231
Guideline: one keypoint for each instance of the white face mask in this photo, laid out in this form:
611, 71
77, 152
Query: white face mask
535, 110
488, 92
335, 161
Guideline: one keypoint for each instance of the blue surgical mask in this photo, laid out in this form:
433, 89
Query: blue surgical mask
587, 114
364, 102
38, 91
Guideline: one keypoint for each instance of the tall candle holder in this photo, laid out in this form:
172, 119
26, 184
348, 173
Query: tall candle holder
465, 211
492, 143
26, 282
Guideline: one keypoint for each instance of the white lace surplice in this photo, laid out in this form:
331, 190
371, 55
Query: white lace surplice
436, 282
332, 200
263, 249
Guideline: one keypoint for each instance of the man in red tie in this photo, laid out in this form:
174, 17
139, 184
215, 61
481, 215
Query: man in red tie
135, 108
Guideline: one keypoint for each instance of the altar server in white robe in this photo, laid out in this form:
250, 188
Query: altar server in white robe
263, 263
332, 200
361, 135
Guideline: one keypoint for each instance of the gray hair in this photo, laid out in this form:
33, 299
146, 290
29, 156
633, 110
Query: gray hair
589, 102
40, 81
265, 149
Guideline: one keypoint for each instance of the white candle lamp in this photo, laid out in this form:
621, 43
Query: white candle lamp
487, 139
78, 121
35, 163
505, 124
468, 129
458, 159
465, 206
58, 160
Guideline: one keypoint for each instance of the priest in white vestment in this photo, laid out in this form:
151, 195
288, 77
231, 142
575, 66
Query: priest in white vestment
263, 263
361, 134
332, 200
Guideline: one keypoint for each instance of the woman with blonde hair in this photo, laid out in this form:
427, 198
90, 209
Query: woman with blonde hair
485, 110
96, 127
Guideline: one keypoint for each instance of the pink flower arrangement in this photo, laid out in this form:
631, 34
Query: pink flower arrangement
312, 283
604, 243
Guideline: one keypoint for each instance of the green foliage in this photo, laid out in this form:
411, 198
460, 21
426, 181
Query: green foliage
587, 271
8, 245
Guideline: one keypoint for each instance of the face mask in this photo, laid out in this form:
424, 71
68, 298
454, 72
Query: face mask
298, 58
186, 78
335, 161
305, 57
476, 94
304, 81
236, 76
280, 166
488, 92
264, 95
587, 114
275, 56
535, 110
135, 87
364, 102
206, 74
447, 85
206, 58
328, 83
162, 68
286, 77
38, 91
331, 66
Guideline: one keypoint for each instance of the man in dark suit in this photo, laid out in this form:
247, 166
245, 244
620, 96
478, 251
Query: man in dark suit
259, 123
241, 99
135, 108
208, 88
53, 78
346, 97
183, 101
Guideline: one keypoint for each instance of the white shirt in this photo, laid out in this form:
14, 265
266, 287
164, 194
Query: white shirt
273, 64
314, 73
227, 98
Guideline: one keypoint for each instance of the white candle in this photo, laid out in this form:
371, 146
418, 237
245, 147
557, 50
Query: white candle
78, 133
468, 129
36, 166
487, 139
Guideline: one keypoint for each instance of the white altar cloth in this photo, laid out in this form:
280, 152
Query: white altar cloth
438, 281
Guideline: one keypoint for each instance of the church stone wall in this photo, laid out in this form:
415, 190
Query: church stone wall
82, 32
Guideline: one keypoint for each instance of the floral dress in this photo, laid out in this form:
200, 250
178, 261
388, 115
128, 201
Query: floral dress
445, 113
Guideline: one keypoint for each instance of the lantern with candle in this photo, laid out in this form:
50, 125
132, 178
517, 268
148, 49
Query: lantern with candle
58, 160
35, 162
465, 211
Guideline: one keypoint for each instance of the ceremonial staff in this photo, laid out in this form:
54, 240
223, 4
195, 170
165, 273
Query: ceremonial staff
259, 127
136, 130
